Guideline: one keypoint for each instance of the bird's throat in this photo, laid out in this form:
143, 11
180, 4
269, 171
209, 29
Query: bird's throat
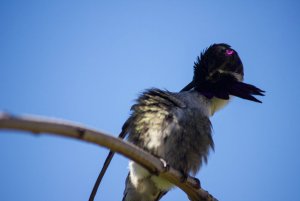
217, 104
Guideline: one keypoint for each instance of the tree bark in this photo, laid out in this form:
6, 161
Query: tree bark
41, 125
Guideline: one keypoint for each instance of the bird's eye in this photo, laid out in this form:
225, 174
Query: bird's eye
229, 52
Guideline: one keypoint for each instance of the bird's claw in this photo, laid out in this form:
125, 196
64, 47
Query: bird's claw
166, 166
198, 183
183, 177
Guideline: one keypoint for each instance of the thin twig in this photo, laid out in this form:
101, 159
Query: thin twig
72, 130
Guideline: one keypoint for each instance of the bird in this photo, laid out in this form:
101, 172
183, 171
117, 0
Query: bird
176, 126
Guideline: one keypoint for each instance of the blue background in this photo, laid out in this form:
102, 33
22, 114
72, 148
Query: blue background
86, 61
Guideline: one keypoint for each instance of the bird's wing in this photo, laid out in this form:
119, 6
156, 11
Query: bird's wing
151, 117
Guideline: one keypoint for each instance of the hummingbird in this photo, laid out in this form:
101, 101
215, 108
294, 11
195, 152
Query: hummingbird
175, 126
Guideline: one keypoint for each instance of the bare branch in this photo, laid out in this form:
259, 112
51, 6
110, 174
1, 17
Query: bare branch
72, 130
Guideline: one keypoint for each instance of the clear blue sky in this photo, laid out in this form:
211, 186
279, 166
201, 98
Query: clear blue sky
86, 61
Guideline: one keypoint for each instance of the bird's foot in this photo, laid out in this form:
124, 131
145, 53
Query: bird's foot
166, 166
184, 176
198, 183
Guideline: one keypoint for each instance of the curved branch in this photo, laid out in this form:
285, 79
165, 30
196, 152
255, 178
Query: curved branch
68, 129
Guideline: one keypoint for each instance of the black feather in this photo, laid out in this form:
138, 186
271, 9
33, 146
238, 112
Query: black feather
227, 85
210, 79
245, 91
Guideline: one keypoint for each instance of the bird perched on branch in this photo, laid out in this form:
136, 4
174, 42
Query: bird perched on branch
176, 127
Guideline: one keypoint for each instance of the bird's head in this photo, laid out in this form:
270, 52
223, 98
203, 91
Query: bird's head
218, 72
216, 62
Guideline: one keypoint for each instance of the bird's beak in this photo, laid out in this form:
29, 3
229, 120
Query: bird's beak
246, 91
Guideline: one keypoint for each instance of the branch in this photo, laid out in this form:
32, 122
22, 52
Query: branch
39, 125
